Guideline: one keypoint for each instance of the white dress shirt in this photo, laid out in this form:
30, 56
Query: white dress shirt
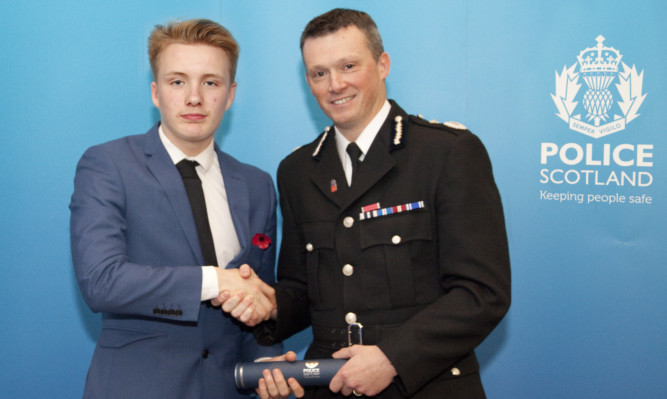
225, 240
364, 140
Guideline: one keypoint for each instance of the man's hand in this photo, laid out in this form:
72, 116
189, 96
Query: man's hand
368, 371
244, 295
273, 385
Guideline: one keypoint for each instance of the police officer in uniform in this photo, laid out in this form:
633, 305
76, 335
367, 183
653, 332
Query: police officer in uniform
393, 233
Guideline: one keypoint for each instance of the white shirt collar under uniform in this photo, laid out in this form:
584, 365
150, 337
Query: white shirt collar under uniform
364, 140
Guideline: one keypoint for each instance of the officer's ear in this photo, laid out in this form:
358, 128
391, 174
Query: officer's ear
383, 64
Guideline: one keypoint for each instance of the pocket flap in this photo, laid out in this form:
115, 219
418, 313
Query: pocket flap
395, 229
118, 338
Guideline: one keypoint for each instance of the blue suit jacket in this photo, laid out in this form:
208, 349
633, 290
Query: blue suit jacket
137, 259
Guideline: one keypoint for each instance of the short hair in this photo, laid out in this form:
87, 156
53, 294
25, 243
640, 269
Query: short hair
193, 31
339, 18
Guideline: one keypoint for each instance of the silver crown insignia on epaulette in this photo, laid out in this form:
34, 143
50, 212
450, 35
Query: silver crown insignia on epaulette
455, 125
450, 124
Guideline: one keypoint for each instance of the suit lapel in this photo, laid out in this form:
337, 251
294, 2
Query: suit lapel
161, 166
238, 199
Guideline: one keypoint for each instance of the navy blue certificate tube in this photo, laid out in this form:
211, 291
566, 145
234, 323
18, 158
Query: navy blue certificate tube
307, 372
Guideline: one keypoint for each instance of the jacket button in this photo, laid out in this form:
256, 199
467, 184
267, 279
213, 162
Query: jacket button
396, 239
348, 222
309, 247
455, 371
351, 318
205, 353
348, 270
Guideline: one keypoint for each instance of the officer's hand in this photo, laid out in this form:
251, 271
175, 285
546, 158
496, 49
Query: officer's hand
368, 371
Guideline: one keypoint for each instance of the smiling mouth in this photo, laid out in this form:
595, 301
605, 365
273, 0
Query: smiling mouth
342, 100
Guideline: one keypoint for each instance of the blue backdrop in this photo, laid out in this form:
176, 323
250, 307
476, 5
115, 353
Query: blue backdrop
585, 203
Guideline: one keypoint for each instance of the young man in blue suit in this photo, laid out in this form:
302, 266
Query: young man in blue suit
139, 252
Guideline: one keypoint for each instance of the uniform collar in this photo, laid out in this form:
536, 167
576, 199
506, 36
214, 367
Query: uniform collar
367, 135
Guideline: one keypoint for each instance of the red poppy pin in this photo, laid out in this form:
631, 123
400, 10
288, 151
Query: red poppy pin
261, 240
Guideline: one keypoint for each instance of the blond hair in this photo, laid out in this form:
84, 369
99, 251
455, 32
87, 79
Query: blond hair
193, 31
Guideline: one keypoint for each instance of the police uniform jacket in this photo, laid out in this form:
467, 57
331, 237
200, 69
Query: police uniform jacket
427, 274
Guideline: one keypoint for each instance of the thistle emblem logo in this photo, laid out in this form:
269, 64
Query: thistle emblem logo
599, 67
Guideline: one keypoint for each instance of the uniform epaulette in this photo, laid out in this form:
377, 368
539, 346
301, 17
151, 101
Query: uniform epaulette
454, 127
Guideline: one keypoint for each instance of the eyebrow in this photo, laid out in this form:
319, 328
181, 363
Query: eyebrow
341, 61
205, 76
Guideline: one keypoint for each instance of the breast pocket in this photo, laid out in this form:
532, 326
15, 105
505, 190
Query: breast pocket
406, 240
323, 288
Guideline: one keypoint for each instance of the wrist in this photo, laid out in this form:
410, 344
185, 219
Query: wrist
210, 284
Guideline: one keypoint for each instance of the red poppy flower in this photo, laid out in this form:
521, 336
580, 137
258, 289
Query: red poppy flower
261, 240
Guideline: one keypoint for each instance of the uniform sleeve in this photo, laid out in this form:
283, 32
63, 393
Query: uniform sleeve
473, 268
291, 292
108, 280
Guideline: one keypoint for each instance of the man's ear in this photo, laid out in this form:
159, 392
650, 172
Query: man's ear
231, 95
156, 102
384, 63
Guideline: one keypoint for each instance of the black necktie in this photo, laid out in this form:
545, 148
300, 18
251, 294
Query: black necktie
196, 196
355, 152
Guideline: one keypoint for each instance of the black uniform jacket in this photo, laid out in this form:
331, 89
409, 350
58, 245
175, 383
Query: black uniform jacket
428, 281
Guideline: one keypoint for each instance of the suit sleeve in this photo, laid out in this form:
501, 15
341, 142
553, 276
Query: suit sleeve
108, 280
474, 273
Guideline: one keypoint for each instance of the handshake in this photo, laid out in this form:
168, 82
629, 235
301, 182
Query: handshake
245, 296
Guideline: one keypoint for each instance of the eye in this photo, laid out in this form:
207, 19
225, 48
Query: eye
317, 74
177, 82
210, 83
348, 66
